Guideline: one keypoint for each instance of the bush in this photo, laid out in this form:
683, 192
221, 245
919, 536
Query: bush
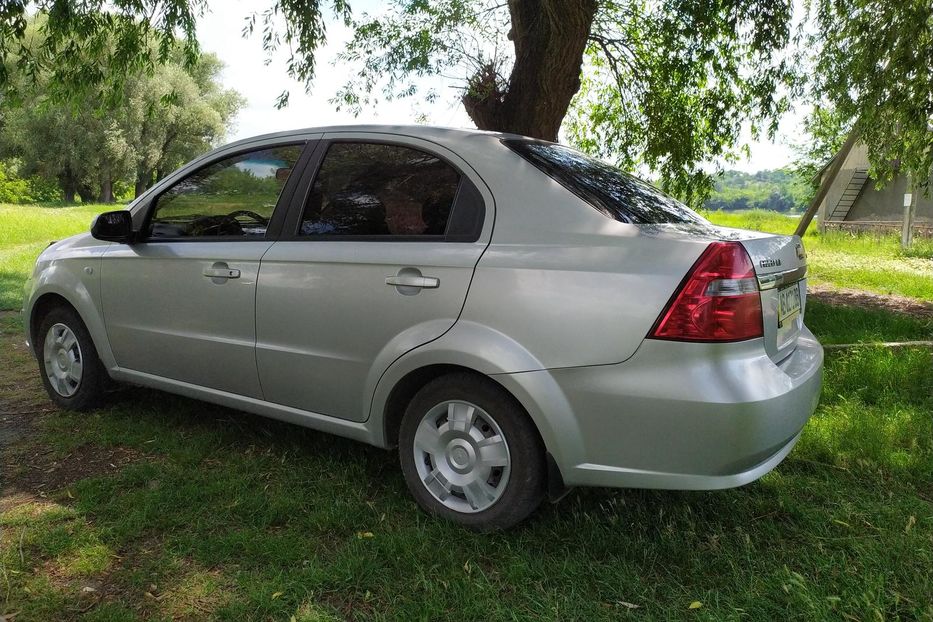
16, 189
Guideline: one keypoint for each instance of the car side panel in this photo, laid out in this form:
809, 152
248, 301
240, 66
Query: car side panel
73, 274
326, 319
165, 317
588, 300
328, 325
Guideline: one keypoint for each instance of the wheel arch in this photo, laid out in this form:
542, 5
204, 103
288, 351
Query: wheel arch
413, 381
408, 386
41, 307
50, 297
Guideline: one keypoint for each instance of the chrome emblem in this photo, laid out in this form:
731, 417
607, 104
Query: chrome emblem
769, 263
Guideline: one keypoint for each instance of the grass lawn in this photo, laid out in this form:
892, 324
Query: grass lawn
836, 325
872, 263
27, 229
168, 508
158, 507
869, 262
876, 264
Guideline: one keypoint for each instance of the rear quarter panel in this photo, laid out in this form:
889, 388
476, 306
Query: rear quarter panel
570, 285
589, 302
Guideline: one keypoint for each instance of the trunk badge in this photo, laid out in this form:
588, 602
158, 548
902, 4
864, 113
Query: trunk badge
769, 263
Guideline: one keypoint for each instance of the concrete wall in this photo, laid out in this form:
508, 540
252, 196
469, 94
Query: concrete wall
882, 205
888, 203
858, 158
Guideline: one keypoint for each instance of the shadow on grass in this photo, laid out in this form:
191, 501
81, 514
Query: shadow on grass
170, 508
228, 515
849, 324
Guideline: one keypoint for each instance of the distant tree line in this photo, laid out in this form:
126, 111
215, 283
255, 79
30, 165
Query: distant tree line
100, 148
780, 190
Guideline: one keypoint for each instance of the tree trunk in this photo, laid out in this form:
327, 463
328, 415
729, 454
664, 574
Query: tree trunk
825, 184
143, 181
549, 37
106, 190
86, 193
68, 184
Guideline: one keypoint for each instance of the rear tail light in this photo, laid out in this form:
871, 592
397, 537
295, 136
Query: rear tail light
717, 301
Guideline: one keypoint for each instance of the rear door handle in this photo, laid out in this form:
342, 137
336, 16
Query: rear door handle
222, 273
411, 280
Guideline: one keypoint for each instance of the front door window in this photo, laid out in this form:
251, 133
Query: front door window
231, 198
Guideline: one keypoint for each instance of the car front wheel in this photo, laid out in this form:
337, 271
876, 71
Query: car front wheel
470, 454
71, 371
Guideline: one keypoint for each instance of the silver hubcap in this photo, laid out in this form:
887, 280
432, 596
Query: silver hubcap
462, 456
63, 360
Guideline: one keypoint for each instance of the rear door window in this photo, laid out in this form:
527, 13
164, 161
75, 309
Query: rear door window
373, 189
614, 193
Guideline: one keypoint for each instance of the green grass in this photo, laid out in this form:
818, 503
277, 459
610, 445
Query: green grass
874, 263
854, 325
756, 220
227, 516
27, 229
213, 514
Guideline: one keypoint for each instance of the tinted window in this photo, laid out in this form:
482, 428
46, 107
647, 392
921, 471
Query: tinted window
231, 197
614, 193
372, 189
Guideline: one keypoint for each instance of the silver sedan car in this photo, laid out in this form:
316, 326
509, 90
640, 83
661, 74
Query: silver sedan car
516, 317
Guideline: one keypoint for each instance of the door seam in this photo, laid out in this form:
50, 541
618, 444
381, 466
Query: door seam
262, 391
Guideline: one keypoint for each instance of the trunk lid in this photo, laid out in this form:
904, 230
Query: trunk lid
780, 263
781, 266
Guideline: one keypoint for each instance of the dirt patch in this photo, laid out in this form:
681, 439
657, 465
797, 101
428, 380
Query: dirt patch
869, 300
188, 592
14, 425
30, 470
88, 592
37, 470
22, 399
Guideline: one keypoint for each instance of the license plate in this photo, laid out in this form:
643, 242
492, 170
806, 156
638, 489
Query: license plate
788, 303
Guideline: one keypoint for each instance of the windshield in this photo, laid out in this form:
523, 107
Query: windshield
614, 193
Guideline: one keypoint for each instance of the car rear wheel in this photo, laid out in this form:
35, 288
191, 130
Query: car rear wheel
470, 454
68, 363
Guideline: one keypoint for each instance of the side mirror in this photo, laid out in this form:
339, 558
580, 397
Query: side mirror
113, 227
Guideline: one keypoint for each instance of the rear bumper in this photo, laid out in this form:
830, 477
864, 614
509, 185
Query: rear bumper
621, 477
684, 416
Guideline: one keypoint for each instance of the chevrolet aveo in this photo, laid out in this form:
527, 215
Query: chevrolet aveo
516, 317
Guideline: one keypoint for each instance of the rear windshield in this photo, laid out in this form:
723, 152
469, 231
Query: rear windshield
614, 193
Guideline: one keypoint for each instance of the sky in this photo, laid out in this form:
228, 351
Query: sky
219, 31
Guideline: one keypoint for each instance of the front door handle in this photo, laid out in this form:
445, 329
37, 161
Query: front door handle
222, 273
411, 280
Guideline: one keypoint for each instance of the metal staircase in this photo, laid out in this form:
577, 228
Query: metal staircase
849, 194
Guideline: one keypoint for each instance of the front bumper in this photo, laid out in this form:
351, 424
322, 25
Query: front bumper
687, 416
24, 312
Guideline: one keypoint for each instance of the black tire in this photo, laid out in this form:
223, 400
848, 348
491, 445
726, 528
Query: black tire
90, 387
526, 485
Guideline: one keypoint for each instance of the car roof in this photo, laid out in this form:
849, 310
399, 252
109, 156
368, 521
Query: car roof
429, 132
